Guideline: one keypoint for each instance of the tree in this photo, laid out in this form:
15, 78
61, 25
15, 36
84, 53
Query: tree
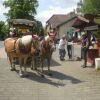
23, 9
39, 28
79, 7
90, 6
4, 30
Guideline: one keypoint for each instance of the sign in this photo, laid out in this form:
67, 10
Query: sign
23, 30
90, 28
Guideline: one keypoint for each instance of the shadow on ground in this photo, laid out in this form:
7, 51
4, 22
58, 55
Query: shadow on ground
55, 75
53, 63
56, 79
62, 76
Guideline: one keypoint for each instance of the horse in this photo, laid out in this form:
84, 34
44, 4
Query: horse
21, 49
35, 51
47, 47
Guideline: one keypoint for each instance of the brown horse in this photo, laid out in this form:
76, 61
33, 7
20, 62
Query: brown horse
19, 48
46, 50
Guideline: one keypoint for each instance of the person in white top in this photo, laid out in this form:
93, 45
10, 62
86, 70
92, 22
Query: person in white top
61, 47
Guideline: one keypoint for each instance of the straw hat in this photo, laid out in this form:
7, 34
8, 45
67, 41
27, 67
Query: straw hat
83, 33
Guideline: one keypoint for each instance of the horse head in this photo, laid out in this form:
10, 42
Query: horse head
35, 46
49, 41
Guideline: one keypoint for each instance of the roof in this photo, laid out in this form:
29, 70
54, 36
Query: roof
80, 22
86, 21
22, 22
57, 19
71, 20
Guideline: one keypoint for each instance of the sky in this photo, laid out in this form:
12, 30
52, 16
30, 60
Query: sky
47, 8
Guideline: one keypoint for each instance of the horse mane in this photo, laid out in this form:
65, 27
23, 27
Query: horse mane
26, 39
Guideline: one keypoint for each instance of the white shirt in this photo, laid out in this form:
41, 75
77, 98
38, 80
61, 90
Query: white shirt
62, 44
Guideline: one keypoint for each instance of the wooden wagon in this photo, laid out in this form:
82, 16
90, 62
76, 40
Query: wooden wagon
23, 26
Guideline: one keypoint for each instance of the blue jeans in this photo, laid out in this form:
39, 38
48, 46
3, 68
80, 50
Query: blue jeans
62, 53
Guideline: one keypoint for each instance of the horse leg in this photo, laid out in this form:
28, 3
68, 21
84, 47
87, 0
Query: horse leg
34, 64
25, 67
48, 62
12, 64
42, 65
20, 71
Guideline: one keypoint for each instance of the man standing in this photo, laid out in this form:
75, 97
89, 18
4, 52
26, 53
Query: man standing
61, 47
85, 47
69, 47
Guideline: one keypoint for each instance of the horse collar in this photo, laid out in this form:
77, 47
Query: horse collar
22, 47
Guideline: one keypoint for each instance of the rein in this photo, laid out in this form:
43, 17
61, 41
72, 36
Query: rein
14, 49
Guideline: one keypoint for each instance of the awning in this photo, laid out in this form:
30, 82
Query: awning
77, 30
80, 22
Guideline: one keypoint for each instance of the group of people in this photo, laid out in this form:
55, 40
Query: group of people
87, 42
64, 41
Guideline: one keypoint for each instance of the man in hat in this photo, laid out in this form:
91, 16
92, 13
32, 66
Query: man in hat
85, 45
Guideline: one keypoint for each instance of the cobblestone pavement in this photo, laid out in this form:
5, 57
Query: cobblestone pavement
69, 82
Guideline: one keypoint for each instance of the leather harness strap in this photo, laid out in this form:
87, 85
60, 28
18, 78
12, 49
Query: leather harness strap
22, 48
14, 49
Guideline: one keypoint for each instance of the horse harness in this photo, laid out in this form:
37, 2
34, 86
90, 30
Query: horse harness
45, 48
22, 48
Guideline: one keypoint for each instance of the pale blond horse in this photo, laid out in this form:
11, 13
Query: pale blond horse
47, 48
18, 48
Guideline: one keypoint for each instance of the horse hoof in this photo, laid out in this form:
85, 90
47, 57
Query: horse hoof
31, 68
12, 69
50, 74
35, 68
42, 76
21, 75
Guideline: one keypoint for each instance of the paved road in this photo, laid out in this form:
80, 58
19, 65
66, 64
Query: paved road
69, 82
1, 44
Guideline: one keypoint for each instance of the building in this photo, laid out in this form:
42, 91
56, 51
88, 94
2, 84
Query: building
54, 21
66, 27
61, 24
